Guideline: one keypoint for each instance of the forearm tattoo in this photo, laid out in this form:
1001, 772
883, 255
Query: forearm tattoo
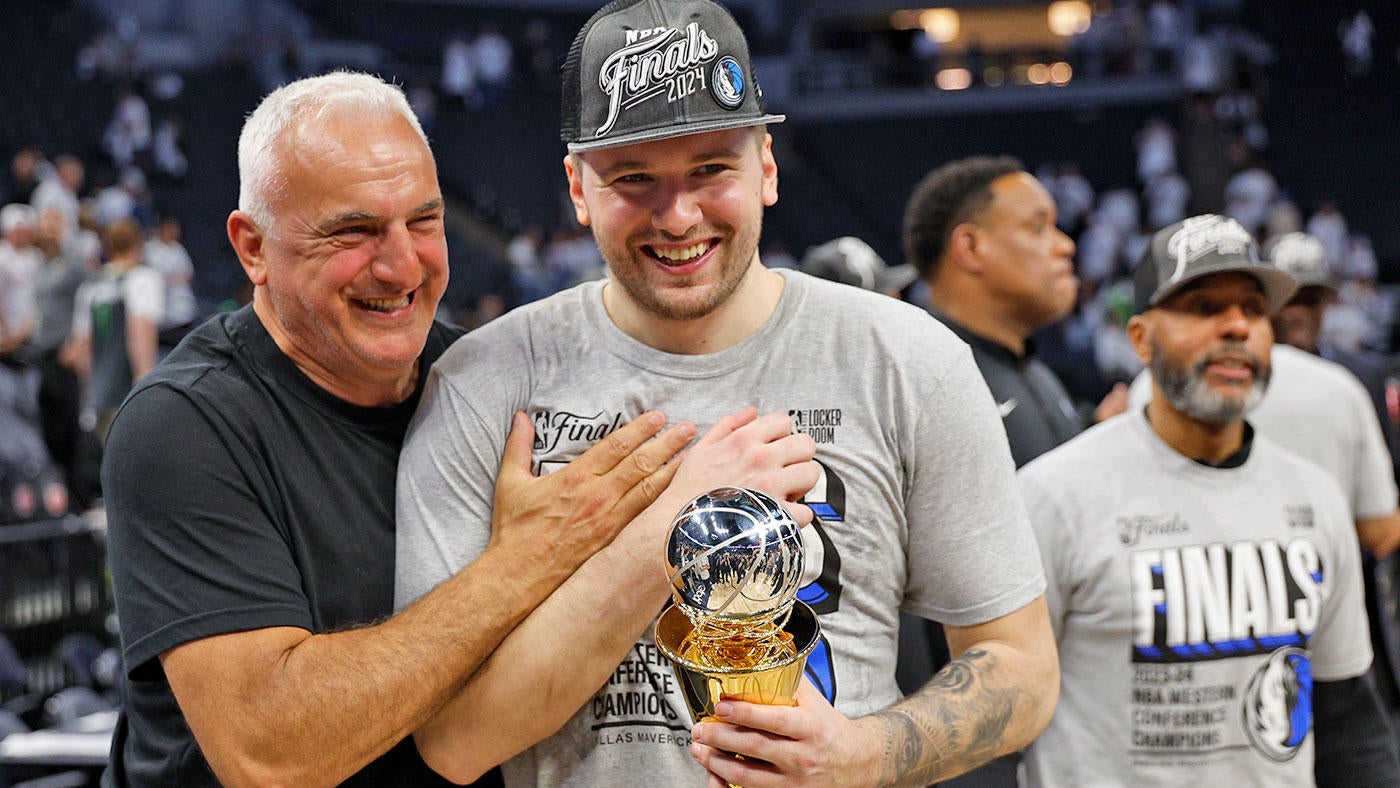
961, 730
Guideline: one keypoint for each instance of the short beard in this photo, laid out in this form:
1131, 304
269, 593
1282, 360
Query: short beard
628, 274
1187, 390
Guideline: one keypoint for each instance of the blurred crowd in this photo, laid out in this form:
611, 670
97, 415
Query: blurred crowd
96, 285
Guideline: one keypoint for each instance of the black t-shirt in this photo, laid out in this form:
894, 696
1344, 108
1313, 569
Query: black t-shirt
241, 495
1036, 410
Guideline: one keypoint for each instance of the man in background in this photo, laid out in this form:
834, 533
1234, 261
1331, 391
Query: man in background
1199, 572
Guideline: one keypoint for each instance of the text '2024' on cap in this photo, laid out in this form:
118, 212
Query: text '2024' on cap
643, 70
1204, 246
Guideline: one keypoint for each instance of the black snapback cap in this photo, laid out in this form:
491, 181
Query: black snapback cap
1203, 246
643, 70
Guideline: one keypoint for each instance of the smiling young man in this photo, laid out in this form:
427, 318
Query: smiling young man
671, 165
249, 480
1203, 581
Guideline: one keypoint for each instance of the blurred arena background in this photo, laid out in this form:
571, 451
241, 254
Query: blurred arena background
1135, 113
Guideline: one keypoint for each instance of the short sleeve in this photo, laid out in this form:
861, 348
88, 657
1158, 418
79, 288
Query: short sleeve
199, 553
972, 554
1375, 491
82, 312
144, 291
1341, 644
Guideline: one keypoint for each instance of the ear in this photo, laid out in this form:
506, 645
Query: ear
1139, 330
770, 172
247, 240
573, 166
964, 248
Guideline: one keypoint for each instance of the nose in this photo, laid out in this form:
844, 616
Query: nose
396, 259
677, 210
1064, 244
1235, 323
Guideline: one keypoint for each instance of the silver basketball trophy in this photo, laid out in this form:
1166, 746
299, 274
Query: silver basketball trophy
737, 629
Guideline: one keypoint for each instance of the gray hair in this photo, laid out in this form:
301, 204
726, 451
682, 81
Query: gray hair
259, 171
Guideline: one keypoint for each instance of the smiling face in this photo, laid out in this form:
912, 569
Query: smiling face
678, 220
349, 275
1208, 347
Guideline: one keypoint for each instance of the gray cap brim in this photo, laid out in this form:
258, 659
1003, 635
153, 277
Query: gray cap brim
668, 132
1279, 286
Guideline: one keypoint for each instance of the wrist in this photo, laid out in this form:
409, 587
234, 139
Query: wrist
872, 748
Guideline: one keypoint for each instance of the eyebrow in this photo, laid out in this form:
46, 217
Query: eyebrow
722, 152
349, 217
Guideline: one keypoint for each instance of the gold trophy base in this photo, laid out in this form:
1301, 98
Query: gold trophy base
704, 685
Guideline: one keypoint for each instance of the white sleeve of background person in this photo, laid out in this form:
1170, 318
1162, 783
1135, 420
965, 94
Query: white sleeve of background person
1341, 645
1317, 409
447, 474
82, 311
1376, 491
143, 289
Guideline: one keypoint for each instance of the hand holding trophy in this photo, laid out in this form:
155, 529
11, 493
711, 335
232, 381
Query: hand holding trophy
736, 629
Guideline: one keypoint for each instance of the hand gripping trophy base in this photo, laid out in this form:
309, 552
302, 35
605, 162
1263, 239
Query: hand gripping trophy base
704, 683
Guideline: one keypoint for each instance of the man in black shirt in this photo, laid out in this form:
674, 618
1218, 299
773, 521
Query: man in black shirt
981, 232
249, 479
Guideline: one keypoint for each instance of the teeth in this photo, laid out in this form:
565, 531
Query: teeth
681, 255
385, 304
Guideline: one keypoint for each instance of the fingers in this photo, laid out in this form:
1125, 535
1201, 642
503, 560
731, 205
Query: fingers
643, 485
802, 514
516, 459
604, 455
654, 455
779, 720
727, 425
727, 769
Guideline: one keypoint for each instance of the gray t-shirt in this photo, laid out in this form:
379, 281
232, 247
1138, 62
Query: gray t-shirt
1194, 607
1317, 409
917, 496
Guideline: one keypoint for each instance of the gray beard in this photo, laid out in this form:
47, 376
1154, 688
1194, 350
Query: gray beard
1187, 391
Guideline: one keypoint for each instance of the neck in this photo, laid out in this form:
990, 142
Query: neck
743, 313
372, 388
124, 262
980, 317
1195, 439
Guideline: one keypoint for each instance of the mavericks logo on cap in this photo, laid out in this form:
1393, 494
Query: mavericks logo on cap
664, 61
727, 83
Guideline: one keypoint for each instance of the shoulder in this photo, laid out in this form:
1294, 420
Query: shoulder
1296, 473
1104, 447
1303, 375
852, 311
205, 370
441, 336
144, 276
552, 326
